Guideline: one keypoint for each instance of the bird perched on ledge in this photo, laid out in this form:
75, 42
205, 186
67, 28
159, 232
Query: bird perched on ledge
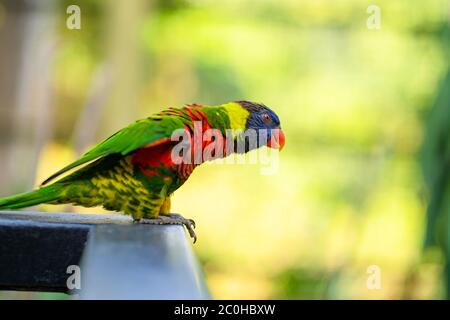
135, 171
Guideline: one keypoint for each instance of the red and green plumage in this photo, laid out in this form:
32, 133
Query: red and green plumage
133, 171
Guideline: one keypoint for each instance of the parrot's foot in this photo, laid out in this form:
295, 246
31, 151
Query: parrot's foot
172, 218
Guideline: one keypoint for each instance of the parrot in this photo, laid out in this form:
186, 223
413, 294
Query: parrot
135, 172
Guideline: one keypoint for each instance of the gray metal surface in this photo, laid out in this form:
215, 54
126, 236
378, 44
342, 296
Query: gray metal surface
118, 259
141, 262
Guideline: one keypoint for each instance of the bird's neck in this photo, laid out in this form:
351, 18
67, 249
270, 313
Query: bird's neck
237, 115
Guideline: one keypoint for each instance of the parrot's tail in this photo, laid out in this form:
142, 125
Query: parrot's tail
42, 195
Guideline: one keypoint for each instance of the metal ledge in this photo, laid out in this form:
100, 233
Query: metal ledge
117, 259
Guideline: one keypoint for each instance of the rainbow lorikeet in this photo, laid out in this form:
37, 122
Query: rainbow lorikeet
135, 171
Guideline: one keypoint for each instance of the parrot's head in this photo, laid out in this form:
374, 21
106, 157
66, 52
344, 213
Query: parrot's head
262, 119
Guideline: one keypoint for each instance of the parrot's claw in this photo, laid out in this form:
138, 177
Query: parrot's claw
172, 218
179, 216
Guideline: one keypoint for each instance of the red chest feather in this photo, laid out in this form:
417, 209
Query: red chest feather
159, 153
154, 156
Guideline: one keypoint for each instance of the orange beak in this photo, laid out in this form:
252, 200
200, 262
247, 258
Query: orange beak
277, 140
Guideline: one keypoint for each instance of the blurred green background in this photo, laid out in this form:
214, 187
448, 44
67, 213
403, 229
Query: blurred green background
363, 179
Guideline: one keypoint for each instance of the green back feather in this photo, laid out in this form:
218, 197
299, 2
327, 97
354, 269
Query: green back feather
129, 139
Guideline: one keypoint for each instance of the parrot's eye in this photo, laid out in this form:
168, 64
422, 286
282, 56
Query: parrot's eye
266, 118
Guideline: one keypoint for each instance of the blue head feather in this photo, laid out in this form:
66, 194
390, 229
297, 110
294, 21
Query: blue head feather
261, 117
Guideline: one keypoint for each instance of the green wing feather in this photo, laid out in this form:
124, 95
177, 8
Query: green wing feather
142, 132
